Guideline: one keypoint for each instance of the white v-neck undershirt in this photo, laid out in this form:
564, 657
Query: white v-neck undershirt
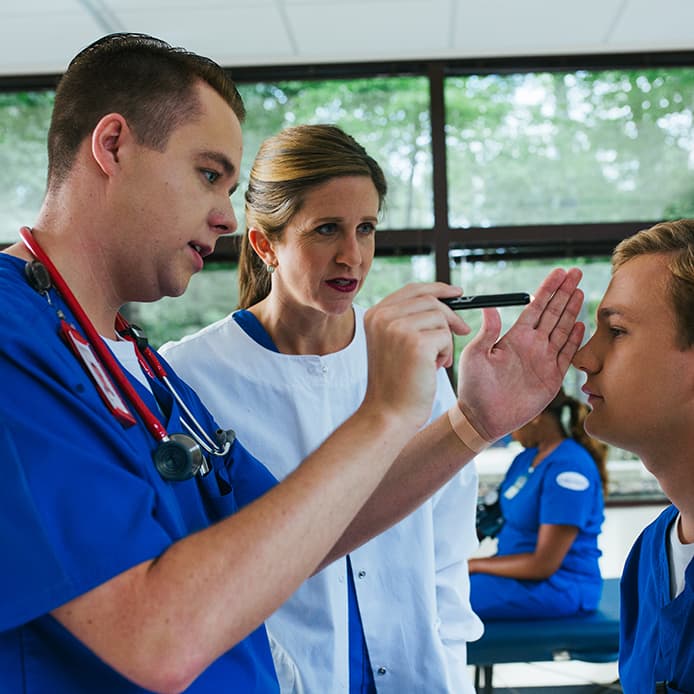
680, 557
124, 351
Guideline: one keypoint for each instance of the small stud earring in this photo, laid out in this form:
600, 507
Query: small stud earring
270, 268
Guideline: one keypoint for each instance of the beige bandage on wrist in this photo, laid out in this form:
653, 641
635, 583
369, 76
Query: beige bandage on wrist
465, 431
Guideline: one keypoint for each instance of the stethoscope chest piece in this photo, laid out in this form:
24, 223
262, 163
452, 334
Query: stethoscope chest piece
178, 459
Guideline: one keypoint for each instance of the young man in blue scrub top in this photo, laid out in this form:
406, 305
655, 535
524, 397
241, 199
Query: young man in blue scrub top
135, 562
640, 386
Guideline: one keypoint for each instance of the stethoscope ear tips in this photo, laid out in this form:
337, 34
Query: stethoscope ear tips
178, 459
37, 276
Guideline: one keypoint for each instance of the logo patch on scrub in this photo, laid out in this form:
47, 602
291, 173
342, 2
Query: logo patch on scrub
573, 480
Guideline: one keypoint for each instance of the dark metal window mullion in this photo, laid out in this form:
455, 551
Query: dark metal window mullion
439, 173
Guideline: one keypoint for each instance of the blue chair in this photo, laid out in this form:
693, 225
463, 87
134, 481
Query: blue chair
592, 638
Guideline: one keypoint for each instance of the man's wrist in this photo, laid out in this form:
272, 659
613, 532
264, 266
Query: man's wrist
465, 431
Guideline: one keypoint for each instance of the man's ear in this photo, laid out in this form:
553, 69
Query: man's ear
108, 137
262, 246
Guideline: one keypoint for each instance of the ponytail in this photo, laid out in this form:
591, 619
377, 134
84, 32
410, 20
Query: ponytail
578, 412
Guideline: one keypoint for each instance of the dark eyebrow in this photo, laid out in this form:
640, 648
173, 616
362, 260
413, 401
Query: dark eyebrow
220, 159
336, 219
607, 312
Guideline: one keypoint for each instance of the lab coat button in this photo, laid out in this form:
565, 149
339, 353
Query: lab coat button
381, 671
361, 574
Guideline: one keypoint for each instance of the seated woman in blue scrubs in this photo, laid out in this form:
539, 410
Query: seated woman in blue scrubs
552, 505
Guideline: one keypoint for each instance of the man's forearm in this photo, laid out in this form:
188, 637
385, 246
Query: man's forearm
429, 460
209, 590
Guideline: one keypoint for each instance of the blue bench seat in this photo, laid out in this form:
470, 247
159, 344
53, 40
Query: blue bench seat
591, 638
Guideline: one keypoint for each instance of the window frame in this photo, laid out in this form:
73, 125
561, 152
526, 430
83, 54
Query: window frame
526, 241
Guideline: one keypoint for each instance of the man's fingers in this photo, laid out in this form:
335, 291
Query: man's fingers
567, 352
420, 303
488, 334
567, 320
532, 313
549, 302
558, 310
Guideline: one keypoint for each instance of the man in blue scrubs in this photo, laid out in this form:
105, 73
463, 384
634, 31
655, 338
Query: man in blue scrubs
640, 386
115, 578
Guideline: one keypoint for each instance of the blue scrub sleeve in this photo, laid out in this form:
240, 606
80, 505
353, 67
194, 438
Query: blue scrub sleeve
82, 502
86, 520
85, 487
250, 479
569, 492
34, 573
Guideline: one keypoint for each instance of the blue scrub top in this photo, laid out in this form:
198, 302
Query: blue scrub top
655, 641
564, 489
82, 502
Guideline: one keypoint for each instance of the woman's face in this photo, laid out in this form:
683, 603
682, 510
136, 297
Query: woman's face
327, 248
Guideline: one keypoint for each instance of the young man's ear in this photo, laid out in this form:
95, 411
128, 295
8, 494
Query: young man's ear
108, 137
262, 246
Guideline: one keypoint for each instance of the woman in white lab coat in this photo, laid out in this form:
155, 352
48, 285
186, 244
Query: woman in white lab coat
393, 616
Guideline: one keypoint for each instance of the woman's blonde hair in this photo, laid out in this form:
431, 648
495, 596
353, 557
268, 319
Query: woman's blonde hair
287, 166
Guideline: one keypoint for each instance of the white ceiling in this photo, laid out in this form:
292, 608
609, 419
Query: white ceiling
40, 36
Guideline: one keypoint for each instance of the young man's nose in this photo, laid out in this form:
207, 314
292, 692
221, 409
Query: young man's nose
224, 220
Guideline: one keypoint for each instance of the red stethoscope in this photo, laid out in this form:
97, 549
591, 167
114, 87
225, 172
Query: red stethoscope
177, 457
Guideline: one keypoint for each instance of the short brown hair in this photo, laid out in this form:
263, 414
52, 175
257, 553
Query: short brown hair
675, 240
150, 83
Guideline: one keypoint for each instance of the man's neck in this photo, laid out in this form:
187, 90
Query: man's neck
77, 269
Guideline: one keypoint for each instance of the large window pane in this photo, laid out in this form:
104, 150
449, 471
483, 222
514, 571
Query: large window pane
389, 274
211, 294
24, 118
552, 148
389, 116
